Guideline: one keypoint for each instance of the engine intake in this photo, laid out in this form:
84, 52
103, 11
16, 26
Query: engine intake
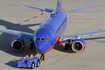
78, 45
18, 44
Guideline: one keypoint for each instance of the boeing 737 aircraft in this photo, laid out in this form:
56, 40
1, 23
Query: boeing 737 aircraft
50, 33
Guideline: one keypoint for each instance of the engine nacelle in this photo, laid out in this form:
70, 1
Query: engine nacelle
78, 45
18, 44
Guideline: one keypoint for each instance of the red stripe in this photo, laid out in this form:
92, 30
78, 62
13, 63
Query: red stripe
35, 17
41, 13
84, 47
64, 10
58, 41
26, 20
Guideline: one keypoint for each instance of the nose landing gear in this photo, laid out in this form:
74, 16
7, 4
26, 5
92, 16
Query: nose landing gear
42, 57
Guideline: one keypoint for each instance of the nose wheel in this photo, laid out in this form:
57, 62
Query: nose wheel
42, 57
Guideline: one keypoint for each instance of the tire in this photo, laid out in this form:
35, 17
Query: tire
32, 65
66, 46
42, 57
31, 46
38, 63
70, 47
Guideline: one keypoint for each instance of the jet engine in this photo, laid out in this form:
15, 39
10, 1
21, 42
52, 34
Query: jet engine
78, 45
18, 44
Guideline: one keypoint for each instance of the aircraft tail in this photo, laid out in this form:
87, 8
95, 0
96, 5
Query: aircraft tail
59, 6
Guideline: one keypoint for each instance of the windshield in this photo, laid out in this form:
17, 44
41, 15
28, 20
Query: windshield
42, 39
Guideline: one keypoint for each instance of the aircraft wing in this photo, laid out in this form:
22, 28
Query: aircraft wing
19, 33
79, 35
40, 8
73, 10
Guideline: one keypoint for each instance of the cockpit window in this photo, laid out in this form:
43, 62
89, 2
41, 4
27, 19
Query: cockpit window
42, 39
37, 38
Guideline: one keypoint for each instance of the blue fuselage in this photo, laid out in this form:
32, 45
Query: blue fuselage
51, 29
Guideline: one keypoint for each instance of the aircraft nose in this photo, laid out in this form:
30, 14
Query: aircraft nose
40, 46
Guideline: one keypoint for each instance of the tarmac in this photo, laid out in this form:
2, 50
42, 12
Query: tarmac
15, 16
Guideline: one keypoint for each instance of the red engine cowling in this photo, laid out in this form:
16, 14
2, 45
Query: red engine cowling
78, 45
18, 44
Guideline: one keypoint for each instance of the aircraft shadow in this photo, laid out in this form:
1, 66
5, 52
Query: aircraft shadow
61, 48
5, 39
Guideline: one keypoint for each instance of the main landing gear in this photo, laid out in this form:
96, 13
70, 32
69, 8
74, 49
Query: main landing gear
31, 44
68, 45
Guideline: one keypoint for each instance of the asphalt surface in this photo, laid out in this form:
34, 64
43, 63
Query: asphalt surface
15, 16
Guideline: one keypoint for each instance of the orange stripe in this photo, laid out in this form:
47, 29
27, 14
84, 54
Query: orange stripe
84, 47
64, 11
58, 41
61, 3
23, 47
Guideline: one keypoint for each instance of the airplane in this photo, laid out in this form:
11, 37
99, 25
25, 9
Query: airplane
50, 32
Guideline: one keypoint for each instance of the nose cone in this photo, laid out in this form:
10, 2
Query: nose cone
40, 46
42, 37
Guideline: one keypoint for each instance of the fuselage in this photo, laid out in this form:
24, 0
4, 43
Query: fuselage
48, 34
